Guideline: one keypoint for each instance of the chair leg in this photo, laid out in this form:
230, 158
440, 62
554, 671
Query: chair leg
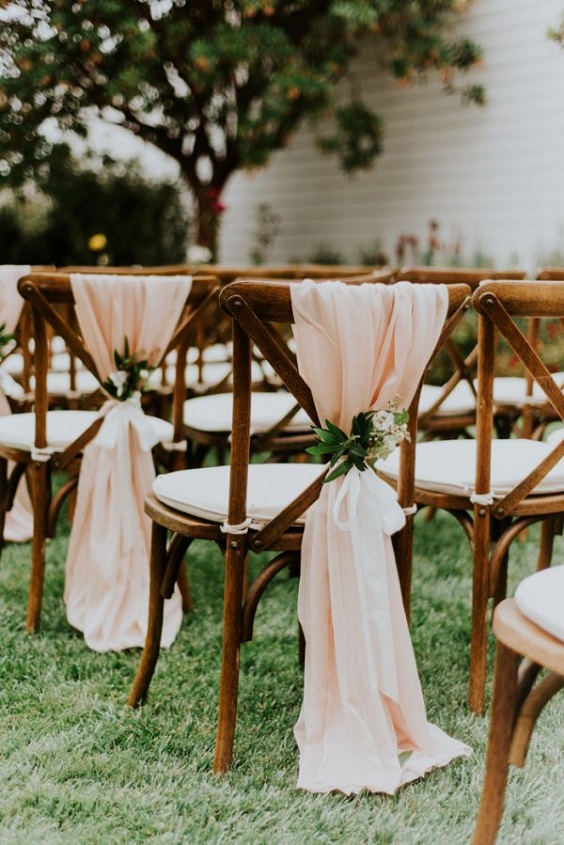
403, 550
504, 703
232, 633
185, 591
41, 480
479, 627
548, 532
301, 646
529, 712
3, 498
152, 646
176, 572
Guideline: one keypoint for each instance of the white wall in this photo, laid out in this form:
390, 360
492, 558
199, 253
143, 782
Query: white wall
493, 177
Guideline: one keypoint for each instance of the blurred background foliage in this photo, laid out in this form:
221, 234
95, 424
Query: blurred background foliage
93, 211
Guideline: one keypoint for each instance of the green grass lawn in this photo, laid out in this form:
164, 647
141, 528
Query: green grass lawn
78, 766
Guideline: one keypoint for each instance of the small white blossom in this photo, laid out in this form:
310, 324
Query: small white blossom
119, 379
390, 442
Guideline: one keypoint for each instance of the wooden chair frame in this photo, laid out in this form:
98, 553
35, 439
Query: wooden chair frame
23, 336
492, 527
46, 292
431, 422
516, 705
276, 440
253, 307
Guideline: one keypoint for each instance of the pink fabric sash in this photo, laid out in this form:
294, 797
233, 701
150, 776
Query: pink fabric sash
107, 568
18, 527
358, 348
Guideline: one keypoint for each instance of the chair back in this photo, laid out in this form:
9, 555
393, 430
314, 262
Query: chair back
471, 276
259, 311
550, 274
20, 354
449, 401
53, 311
502, 306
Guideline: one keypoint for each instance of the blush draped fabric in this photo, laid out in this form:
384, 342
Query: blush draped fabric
19, 519
359, 348
107, 568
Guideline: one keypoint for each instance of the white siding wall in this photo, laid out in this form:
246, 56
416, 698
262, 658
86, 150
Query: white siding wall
493, 177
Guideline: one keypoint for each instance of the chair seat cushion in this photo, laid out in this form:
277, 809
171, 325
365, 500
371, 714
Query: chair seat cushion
204, 493
510, 390
555, 436
14, 364
540, 598
211, 376
449, 466
213, 413
17, 431
460, 401
58, 383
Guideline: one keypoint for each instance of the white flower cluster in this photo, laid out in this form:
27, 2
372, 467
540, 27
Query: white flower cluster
389, 429
126, 383
119, 380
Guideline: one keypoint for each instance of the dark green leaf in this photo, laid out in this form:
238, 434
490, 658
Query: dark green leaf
342, 469
334, 429
320, 449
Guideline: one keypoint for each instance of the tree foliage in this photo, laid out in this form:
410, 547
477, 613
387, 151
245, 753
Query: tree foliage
218, 85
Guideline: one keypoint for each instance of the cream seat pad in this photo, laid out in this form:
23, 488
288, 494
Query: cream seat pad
211, 375
449, 466
59, 382
14, 364
213, 413
540, 598
63, 427
204, 493
511, 390
460, 401
555, 436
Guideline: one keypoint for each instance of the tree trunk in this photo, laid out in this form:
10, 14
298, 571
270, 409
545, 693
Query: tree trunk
209, 210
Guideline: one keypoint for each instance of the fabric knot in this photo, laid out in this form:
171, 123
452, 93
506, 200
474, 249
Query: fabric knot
482, 498
381, 497
41, 454
118, 416
176, 446
241, 528
410, 511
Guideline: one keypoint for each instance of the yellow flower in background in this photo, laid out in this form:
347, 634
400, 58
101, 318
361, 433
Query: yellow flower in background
97, 242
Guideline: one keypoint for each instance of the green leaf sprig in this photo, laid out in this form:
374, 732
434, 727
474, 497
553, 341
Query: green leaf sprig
374, 435
130, 376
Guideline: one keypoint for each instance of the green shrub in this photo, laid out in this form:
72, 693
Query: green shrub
81, 215
325, 254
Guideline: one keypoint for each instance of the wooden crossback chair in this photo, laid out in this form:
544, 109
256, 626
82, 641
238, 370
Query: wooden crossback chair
517, 398
496, 487
44, 441
17, 360
245, 508
208, 361
449, 409
279, 427
529, 626
229, 273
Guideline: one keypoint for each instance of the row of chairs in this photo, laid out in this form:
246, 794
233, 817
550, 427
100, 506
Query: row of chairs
253, 308
56, 418
480, 502
445, 410
278, 428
